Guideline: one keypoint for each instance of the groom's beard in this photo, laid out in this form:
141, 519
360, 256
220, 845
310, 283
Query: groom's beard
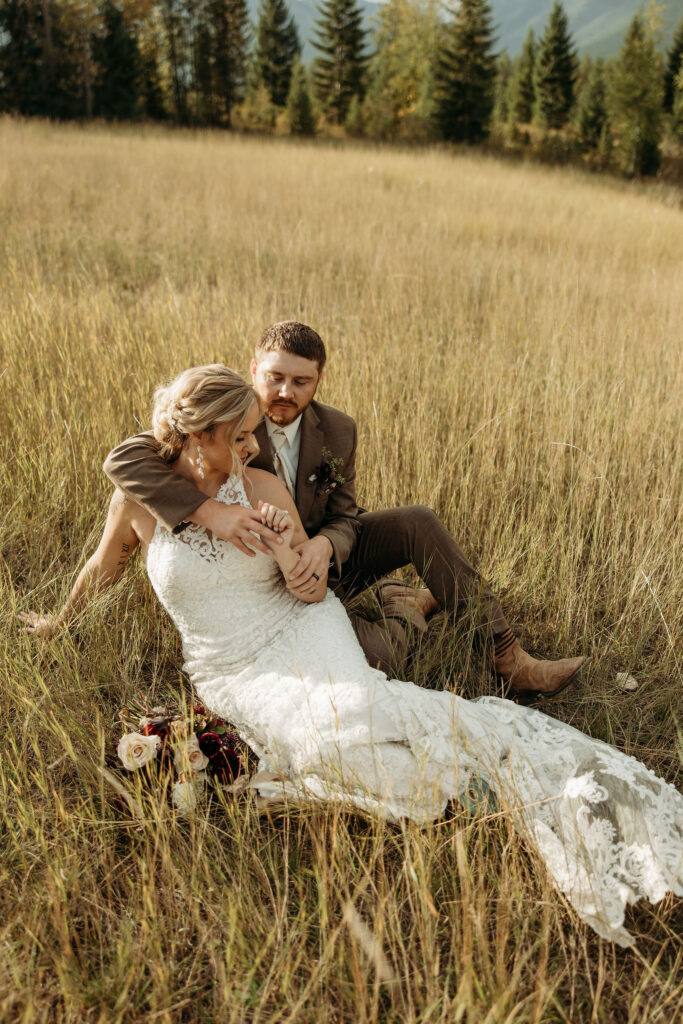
284, 413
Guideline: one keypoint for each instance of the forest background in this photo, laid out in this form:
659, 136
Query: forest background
418, 71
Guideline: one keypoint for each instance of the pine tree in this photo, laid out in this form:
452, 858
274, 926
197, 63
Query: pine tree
257, 112
177, 31
502, 90
205, 107
151, 43
673, 65
677, 106
117, 56
229, 24
79, 25
206, 45
582, 75
45, 58
522, 89
556, 67
635, 100
151, 93
25, 52
466, 74
400, 93
299, 110
277, 47
593, 106
338, 74
354, 123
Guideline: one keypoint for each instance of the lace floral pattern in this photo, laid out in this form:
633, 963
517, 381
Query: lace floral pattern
202, 541
294, 682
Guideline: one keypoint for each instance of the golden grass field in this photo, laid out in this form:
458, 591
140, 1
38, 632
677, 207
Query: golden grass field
508, 338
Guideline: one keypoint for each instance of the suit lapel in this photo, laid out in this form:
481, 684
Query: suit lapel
310, 455
264, 459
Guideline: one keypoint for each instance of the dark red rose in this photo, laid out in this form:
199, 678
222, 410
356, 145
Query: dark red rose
156, 728
227, 764
199, 709
210, 744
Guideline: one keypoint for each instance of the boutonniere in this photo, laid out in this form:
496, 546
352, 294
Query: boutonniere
327, 475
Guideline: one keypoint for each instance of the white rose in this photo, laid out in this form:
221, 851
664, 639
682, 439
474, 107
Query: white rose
134, 749
189, 755
186, 795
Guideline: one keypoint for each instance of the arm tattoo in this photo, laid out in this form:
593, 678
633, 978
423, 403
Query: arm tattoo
123, 558
119, 501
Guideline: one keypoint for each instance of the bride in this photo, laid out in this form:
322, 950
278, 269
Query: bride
290, 676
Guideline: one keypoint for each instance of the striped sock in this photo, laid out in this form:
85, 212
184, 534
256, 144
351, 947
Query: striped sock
502, 642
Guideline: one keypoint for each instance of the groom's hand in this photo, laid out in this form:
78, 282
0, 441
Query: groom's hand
312, 567
237, 525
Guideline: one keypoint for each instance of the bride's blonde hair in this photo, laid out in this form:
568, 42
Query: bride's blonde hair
199, 399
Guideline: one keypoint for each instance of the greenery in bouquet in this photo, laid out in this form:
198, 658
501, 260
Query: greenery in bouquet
192, 744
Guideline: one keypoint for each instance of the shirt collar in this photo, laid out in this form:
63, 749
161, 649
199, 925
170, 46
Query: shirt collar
291, 430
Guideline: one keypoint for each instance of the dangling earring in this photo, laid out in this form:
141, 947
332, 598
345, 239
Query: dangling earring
200, 461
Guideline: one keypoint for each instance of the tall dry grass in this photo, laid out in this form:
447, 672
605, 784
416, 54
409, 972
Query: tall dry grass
509, 340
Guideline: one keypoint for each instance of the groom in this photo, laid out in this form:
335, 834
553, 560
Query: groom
312, 449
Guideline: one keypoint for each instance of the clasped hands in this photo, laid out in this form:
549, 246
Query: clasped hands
314, 554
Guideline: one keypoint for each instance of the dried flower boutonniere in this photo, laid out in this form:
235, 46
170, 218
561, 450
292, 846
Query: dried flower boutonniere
327, 475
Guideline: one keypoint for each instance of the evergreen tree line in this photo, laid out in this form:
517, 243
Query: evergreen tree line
419, 76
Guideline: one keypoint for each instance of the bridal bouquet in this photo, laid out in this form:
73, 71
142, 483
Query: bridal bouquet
197, 747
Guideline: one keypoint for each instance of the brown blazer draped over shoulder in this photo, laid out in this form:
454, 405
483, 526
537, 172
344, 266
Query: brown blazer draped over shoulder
136, 468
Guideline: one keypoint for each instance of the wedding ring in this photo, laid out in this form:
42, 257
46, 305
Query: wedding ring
315, 576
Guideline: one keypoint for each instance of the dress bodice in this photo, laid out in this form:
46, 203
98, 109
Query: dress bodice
226, 605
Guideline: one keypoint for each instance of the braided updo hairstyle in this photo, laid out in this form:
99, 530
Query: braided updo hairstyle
199, 399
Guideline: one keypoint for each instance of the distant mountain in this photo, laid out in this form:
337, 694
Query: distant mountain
598, 26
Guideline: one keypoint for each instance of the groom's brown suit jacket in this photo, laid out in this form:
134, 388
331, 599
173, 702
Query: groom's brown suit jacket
136, 468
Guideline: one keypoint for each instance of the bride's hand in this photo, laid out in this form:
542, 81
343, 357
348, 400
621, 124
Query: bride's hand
278, 519
43, 626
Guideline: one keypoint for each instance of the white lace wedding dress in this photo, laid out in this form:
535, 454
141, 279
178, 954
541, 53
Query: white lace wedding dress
293, 681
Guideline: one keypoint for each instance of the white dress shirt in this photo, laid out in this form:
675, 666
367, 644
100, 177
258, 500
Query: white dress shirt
289, 453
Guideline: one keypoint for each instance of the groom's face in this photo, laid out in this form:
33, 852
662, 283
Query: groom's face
285, 383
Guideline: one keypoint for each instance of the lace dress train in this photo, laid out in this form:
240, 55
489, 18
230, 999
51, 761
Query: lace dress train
294, 682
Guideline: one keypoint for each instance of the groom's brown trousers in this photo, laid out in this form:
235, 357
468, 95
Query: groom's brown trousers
411, 535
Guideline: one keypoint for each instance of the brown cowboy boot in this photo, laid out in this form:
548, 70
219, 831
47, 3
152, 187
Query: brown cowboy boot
407, 602
402, 624
528, 678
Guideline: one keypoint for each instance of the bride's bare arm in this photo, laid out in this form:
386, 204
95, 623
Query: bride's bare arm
102, 570
271, 496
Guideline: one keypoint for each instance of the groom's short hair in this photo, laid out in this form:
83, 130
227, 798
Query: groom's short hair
291, 336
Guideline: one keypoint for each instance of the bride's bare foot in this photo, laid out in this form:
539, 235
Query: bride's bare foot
396, 595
